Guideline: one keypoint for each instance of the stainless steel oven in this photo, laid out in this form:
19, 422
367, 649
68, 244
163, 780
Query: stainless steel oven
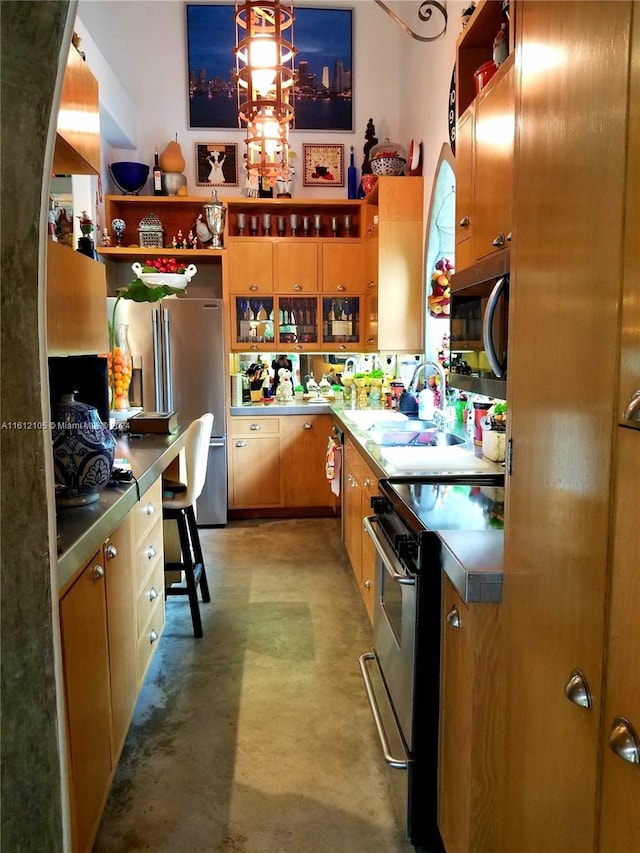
402, 672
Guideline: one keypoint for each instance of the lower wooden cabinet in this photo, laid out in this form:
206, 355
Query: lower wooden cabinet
360, 484
471, 723
85, 649
279, 462
111, 617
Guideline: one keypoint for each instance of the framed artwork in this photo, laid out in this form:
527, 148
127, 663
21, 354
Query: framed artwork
323, 39
323, 165
216, 164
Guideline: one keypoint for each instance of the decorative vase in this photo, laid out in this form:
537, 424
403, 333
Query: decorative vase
362, 393
119, 368
83, 452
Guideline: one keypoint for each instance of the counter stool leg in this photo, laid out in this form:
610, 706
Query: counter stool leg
197, 554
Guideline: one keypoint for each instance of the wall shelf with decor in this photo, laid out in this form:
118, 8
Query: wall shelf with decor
299, 208
474, 46
175, 213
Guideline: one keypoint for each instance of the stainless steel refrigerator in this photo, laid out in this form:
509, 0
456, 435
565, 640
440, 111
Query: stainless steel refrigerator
180, 342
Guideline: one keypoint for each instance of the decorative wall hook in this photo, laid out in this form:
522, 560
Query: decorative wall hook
425, 13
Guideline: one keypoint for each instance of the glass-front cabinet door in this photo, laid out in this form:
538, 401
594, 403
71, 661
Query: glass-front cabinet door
298, 321
341, 321
253, 322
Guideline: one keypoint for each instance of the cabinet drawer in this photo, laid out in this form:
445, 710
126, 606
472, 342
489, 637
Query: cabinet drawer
255, 426
149, 636
147, 511
151, 592
149, 552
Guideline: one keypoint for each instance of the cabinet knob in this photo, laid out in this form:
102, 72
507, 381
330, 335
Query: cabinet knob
341, 346
97, 572
297, 287
253, 346
241, 443
509, 236
150, 552
371, 285
371, 340
111, 551
632, 409
624, 741
453, 617
464, 222
499, 240
307, 426
150, 509
341, 288
153, 593
577, 690
297, 347
367, 482
253, 287
153, 636
367, 584
254, 426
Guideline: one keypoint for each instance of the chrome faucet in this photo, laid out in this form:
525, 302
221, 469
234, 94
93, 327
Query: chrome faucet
350, 361
441, 419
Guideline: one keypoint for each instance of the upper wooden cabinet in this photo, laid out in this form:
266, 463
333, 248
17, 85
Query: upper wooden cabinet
394, 273
76, 303
77, 146
484, 140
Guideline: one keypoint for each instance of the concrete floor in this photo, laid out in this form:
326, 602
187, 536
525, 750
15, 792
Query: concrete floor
258, 737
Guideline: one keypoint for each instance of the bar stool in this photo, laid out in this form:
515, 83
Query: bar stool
177, 505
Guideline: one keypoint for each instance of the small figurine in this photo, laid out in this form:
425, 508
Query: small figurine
284, 394
179, 240
191, 240
285, 180
106, 238
204, 235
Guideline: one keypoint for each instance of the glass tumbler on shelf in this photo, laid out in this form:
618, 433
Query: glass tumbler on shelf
281, 224
317, 224
293, 223
305, 226
266, 224
241, 220
119, 368
253, 222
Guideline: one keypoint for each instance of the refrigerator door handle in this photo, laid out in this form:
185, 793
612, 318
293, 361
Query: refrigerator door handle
168, 374
217, 443
157, 367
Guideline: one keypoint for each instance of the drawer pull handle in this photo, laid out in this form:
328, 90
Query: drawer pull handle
499, 240
150, 509
341, 287
342, 346
297, 287
464, 222
153, 636
371, 285
453, 617
253, 287
307, 426
255, 426
150, 552
97, 572
624, 741
367, 584
577, 690
367, 482
297, 347
241, 443
153, 593
371, 340
111, 551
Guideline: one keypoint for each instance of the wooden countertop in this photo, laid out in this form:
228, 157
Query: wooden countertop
82, 530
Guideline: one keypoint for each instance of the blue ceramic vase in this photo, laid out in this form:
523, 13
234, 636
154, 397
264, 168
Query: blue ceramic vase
83, 452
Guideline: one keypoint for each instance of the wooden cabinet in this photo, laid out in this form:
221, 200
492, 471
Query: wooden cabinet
254, 463
278, 463
484, 139
360, 485
304, 444
393, 273
76, 303
118, 557
77, 144
470, 724
558, 539
288, 268
85, 650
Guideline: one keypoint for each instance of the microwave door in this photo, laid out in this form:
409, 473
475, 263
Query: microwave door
499, 368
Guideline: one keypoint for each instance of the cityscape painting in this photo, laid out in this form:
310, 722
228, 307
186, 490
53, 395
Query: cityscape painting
323, 39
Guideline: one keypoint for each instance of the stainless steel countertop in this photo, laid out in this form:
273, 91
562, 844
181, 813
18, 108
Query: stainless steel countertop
295, 408
82, 530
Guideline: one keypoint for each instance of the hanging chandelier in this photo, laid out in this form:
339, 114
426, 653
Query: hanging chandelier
265, 75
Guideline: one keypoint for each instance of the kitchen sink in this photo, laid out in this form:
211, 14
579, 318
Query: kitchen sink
448, 455
409, 431
364, 418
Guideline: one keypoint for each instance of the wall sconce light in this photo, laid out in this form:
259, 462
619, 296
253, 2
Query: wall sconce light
265, 76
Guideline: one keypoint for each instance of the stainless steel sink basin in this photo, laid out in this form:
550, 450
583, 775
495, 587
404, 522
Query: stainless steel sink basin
412, 432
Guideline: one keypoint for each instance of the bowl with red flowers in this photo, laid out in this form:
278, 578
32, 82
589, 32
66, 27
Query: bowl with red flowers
164, 272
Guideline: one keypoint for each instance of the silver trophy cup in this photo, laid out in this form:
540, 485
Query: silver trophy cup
216, 214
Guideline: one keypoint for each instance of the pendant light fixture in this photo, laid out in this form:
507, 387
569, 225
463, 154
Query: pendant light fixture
265, 75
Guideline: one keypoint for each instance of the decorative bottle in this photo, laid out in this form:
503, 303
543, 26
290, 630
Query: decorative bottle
119, 368
352, 177
157, 175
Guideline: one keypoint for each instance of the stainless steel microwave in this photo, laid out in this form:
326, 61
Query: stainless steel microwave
480, 327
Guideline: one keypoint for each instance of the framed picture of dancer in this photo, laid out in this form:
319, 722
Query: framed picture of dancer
216, 164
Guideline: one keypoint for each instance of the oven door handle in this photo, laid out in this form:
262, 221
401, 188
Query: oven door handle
396, 763
386, 554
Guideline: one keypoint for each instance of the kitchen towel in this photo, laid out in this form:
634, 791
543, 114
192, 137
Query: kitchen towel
334, 465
